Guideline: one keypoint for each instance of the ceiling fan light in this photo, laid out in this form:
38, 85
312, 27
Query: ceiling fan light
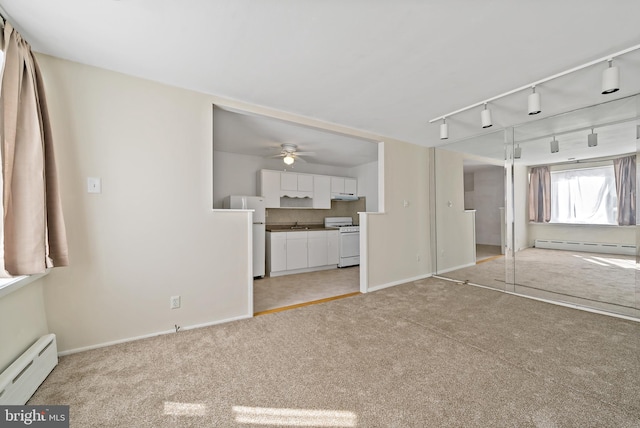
288, 159
610, 79
485, 116
533, 102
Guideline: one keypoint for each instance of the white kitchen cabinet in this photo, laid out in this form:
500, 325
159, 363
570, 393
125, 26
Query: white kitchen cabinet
296, 185
301, 251
333, 241
317, 248
321, 191
296, 250
344, 185
269, 187
276, 252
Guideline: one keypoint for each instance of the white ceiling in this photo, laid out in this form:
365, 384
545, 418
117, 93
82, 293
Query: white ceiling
382, 66
254, 135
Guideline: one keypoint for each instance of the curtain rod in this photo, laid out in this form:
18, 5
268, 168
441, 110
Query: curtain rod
589, 160
537, 82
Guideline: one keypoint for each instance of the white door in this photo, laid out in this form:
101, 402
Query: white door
258, 249
333, 242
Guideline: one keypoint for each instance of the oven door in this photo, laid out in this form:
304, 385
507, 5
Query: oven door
349, 249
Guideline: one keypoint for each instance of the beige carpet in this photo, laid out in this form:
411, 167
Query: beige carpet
601, 281
279, 291
487, 251
426, 354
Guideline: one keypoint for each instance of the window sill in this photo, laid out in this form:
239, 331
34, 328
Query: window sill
9, 285
577, 224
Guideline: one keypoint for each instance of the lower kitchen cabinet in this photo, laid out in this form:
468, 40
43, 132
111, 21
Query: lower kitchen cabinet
301, 251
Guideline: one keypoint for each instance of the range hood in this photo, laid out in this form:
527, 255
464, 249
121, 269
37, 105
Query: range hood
344, 197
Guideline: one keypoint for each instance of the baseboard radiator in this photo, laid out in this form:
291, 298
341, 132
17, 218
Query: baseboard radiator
21, 379
587, 247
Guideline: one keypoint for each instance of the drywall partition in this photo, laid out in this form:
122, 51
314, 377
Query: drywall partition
454, 230
151, 233
398, 241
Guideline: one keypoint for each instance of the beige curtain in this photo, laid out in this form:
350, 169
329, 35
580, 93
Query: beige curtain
540, 194
625, 171
33, 228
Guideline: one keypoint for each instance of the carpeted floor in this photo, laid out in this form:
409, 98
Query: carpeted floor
426, 354
286, 290
601, 281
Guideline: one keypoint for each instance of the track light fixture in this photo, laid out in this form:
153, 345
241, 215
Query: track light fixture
517, 152
592, 139
555, 146
485, 115
444, 129
610, 79
533, 102
610, 84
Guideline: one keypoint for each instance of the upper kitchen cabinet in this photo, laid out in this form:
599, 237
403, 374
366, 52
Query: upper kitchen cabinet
296, 190
342, 186
296, 185
321, 192
269, 187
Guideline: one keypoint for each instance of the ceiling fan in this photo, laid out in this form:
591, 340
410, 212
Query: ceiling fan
289, 153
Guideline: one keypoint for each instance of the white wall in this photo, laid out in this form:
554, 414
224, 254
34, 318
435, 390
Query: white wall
399, 238
151, 233
367, 176
454, 229
22, 321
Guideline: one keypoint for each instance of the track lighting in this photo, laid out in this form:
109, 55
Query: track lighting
610, 79
517, 152
533, 102
444, 129
288, 159
592, 139
485, 115
555, 146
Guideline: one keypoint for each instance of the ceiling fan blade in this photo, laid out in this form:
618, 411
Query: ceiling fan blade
299, 159
306, 153
280, 155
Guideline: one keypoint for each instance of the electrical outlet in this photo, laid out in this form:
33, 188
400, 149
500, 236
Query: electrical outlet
174, 302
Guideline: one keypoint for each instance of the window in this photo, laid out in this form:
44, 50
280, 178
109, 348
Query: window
584, 196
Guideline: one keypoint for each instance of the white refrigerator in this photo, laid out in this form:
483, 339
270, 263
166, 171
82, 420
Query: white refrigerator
257, 204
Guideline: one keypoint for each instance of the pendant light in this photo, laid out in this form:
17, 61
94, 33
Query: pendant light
444, 129
610, 79
485, 115
555, 146
592, 139
533, 102
517, 152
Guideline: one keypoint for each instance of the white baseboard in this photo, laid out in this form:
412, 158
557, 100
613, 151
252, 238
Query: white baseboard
146, 336
456, 268
394, 283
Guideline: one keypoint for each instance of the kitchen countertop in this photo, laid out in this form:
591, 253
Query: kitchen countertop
299, 228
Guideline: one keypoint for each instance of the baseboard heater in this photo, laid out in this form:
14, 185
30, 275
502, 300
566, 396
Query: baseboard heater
21, 379
588, 247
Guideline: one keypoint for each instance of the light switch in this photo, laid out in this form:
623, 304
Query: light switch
405, 203
94, 185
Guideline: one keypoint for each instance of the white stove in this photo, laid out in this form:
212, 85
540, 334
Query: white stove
349, 248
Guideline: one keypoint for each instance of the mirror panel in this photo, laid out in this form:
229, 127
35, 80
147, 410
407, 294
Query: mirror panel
570, 243
471, 232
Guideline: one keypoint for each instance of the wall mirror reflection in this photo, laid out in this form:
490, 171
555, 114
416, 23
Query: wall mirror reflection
576, 240
470, 211
568, 230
